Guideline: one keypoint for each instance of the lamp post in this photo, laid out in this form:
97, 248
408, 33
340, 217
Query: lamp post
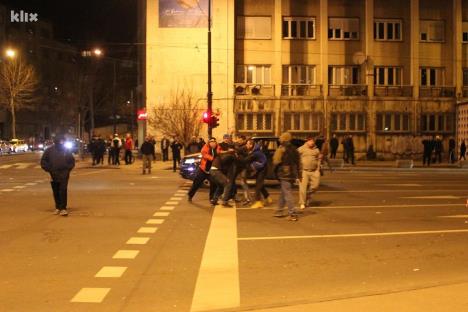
10, 53
210, 92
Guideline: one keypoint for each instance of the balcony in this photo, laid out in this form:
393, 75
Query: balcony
299, 89
437, 92
465, 91
347, 90
242, 89
395, 91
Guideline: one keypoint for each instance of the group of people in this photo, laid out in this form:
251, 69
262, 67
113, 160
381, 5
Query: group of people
433, 149
193, 147
114, 145
222, 163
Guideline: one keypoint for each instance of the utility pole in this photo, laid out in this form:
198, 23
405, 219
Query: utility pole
114, 106
210, 93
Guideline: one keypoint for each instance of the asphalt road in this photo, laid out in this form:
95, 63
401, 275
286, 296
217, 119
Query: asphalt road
367, 233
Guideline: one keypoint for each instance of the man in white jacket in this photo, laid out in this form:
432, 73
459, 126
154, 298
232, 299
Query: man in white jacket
310, 170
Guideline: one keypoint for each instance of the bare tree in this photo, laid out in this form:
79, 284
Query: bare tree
18, 81
179, 118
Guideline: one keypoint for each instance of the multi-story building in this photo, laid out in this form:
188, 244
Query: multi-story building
387, 72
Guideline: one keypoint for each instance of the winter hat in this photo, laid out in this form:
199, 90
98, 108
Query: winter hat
285, 137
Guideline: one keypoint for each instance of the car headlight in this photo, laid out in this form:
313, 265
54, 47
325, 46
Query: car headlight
41, 145
68, 145
190, 161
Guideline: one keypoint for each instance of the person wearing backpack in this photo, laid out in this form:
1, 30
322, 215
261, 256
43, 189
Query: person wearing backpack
286, 161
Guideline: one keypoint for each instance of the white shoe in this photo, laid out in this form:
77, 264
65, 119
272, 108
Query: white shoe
302, 207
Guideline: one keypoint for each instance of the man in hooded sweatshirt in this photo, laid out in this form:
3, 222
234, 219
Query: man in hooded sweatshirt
257, 163
286, 160
58, 161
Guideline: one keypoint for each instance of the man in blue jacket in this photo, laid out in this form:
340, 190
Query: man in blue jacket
257, 163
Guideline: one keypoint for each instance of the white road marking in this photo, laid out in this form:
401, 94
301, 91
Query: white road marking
147, 230
406, 184
31, 184
175, 198
182, 191
167, 208
7, 190
111, 271
171, 203
91, 295
138, 241
355, 235
23, 165
155, 221
126, 254
19, 187
39, 181
5, 166
161, 214
370, 206
455, 216
217, 284
433, 197
37, 167
177, 195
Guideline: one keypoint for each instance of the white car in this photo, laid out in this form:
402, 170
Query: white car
17, 146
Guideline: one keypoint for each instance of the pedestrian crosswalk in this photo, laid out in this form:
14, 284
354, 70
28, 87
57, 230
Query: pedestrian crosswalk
20, 165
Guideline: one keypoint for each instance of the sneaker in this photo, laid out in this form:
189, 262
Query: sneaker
56, 212
246, 202
268, 201
292, 218
302, 207
257, 205
213, 202
64, 212
226, 205
278, 214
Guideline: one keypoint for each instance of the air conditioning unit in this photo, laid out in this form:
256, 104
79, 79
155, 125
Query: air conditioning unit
240, 90
255, 90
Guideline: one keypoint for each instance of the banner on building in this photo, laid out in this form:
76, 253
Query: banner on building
183, 13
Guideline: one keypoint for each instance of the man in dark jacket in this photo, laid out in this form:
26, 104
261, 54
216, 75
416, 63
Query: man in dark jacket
333, 146
165, 148
256, 163
452, 147
58, 162
148, 154
100, 150
286, 159
427, 153
350, 149
193, 147
176, 147
438, 148
463, 150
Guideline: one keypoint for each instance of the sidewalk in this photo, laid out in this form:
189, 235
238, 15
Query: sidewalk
390, 165
440, 298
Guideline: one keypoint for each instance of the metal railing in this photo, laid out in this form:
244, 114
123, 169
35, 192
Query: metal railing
254, 89
404, 91
347, 90
300, 89
436, 91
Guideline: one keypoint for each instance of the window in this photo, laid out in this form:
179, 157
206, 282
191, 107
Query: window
465, 77
387, 30
253, 74
302, 121
465, 32
437, 122
298, 28
393, 122
299, 74
343, 28
253, 27
254, 122
387, 76
343, 75
348, 122
431, 76
432, 31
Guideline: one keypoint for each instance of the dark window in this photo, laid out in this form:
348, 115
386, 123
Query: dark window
375, 30
465, 36
342, 122
397, 31
346, 35
302, 26
389, 30
334, 122
388, 122
406, 120
424, 36
310, 29
381, 76
337, 33
423, 77
397, 121
431, 123
432, 77
352, 122
285, 29
355, 75
381, 30
390, 76
330, 33
293, 29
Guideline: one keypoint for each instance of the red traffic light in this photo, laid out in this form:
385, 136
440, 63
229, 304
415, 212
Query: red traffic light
206, 117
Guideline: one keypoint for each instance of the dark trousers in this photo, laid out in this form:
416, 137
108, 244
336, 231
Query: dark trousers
116, 158
333, 154
110, 156
350, 156
260, 189
462, 155
165, 154
221, 185
427, 158
438, 156
59, 189
198, 182
175, 161
128, 157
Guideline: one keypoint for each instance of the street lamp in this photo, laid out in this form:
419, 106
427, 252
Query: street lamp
97, 52
10, 53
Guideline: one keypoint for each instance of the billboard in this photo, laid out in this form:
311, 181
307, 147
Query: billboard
183, 13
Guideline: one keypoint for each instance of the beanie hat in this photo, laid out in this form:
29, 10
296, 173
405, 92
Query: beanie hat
285, 137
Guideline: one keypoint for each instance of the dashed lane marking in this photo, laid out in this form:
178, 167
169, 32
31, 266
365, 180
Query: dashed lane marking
138, 241
455, 216
161, 214
433, 197
155, 221
19, 187
111, 271
91, 295
354, 235
7, 190
177, 195
217, 285
171, 203
5, 166
167, 208
147, 230
126, 254
31, 184
406, 184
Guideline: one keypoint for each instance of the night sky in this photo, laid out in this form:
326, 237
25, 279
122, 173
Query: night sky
108, 23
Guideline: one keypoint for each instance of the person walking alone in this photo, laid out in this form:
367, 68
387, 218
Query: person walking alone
58, 162
286, 159
463, 150
165, 148
176, 147
333, 146
148, 154
438, 148
310, 170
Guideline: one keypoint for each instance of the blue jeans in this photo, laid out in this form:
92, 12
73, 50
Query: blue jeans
286, 197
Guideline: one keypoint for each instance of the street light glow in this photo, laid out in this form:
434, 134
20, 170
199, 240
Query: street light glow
97, 52
10, 53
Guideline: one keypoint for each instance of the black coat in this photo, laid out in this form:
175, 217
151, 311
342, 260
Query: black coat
58, 161
147, 148
176, 147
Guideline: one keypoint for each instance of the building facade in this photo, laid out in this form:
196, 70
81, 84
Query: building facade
387, 72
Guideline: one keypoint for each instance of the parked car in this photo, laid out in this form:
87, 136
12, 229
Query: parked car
17, 146
37, 146
189, 163
5, 147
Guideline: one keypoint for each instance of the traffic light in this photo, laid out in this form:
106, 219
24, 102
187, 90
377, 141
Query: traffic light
214, 122
206, 117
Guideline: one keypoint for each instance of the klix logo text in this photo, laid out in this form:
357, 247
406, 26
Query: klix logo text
23, 17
